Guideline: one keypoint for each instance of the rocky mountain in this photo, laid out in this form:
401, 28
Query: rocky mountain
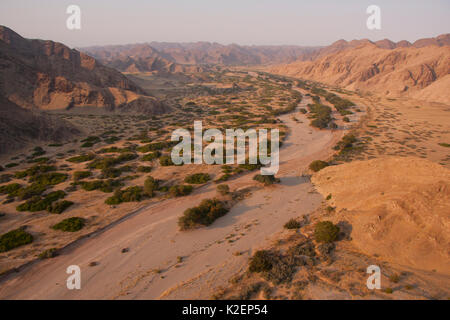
49, 75
19, 127
190, 57
420, 70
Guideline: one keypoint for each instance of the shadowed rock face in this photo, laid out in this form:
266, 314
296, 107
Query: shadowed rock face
19, 126
49, 75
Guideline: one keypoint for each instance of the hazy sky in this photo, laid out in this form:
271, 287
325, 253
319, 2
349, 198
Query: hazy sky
318, 22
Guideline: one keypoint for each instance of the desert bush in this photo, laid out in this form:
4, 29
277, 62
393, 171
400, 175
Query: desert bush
346, 119
145, 169
34, 171
266, 179
250, 167
79, 175
197, 178
204, 214
70, 224
108, 162
166, 161
318, 165
59, 206
11, 165
48, 254
14, 239
261, 261
150, 186
81, 158
151, 156
111, 173
152, 147
180, 190
103, 185
36, 203
292, 224
49, 178
325, 231
130, 194
223, 189
29, 191
224, 177
10, 189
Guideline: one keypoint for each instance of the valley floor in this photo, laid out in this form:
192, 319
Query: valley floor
152, 268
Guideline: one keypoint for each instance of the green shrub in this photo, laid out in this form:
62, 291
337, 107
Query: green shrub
29, 191
166, 161
130, 194
14, 239
9, 188
197, 178
48, 254
152, 147
79, 175
145, 169
108, 162
345, 119
204, 214
292, 224
70, 224
81, 158
180, 190
223, 189
318, 165
266, 179
49, 179
223, 177
250, 167
34, 171
10, 165
150, 186
59, 206
261, 261
102, 185
111, 173
36, 203
151, 156
326, 231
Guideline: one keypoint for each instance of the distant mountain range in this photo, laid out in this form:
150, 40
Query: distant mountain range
420, 70
191, 57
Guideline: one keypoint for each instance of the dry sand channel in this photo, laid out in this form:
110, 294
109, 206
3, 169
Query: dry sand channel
151, 269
